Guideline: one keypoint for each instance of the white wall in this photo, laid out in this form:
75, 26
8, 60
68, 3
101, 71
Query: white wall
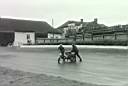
21, 38
50, 35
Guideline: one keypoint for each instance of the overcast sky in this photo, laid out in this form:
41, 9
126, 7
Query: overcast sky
109, 12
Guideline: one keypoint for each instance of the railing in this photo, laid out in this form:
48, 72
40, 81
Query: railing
47, 40
87, 38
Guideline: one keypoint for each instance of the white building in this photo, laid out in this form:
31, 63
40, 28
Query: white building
55, 35
72, 26
17, 31
21, 38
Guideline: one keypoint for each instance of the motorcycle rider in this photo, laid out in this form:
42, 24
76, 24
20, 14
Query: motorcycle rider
76, 51
62, 51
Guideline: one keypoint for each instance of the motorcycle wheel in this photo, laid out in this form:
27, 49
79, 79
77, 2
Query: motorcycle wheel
73, 59
60, 60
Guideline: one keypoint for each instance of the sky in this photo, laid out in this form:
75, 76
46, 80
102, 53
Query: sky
108, 12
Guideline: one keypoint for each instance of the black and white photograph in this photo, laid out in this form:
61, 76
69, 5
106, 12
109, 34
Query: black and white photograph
63, 43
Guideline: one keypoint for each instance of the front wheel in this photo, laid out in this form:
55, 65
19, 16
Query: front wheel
61, 60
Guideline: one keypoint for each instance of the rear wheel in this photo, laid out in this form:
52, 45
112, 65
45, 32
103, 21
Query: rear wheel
73, 58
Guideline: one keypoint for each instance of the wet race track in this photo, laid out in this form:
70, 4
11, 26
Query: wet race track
99, 66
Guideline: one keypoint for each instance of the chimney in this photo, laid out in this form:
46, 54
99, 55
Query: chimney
95, 20
81, 20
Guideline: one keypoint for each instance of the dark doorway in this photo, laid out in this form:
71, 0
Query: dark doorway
6, 38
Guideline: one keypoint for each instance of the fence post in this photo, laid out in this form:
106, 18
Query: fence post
115, 36
57, 40
83, 36
44, 40
103, 36
66, 40
92, 36
127, 38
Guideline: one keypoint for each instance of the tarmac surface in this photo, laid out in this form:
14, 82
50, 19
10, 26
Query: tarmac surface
99, 66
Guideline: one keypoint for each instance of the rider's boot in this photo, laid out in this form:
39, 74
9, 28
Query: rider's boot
64, 59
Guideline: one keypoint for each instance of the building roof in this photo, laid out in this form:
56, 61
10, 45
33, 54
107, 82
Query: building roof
7, 24
77, 23
69, 22
56, 31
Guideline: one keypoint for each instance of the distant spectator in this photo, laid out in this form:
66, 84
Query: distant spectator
29, 41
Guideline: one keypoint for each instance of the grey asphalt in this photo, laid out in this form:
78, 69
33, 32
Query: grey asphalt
99, 66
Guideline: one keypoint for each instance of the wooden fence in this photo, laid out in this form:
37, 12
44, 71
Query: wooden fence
90, 38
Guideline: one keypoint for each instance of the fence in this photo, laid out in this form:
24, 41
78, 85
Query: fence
90, 39
47, 40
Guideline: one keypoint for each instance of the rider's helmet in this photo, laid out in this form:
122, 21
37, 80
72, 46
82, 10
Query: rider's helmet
73, 44
60, 45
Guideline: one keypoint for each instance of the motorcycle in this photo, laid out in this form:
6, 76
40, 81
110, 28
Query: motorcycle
68, 57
